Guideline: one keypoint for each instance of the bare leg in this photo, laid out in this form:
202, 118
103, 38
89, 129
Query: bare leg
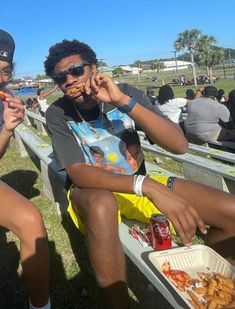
22, 218
98, 209
216, 208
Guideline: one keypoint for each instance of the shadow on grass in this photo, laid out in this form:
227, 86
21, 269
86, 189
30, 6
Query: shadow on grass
22, 181
84, 285
12, 291
226, 249
13, 294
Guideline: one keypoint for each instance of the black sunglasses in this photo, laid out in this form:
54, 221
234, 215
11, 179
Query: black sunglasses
75, 70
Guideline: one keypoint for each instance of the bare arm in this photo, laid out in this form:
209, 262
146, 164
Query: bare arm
5, 137
161, 131
13, 115
177, 209
46, 94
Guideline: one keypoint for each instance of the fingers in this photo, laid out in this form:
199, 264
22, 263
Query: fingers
185, 226
199, 222
92, 84
186, 240
13, 112
189, 222
97, 81
14, 103
187, 230
185, 221
87, 86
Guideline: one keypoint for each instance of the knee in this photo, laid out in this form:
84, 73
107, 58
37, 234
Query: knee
101, 204
31, 223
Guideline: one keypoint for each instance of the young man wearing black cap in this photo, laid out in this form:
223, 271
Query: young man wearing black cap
17, 213
95, 111
207, 119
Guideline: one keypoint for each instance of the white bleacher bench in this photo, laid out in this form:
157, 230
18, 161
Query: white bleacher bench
223, 145
213, 153
29, 144
36, 120
208, 171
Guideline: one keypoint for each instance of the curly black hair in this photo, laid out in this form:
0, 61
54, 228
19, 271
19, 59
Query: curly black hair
165, 94
65, 49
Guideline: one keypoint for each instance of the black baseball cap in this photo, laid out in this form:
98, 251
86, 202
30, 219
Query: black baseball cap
7, 46
210, 91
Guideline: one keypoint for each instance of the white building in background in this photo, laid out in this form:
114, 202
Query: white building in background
171, 65
46, 80
131, 70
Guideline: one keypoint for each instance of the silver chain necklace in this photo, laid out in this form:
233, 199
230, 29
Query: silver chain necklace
108, 124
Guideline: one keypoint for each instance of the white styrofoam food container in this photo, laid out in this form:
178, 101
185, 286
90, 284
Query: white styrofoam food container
197, 258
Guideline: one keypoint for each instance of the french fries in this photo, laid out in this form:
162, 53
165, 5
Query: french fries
210, 291
195, 300
200, 291
218, 292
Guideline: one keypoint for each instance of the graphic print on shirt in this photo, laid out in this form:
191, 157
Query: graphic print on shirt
110, 142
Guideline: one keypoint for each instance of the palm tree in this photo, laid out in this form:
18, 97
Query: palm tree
101, 63
138, 63
189, 39
160, 66
118, 71
208, 54
153, 66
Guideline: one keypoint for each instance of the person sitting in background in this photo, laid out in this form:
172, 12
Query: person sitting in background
42, 101
221, 96
29, 103
199, 93
190, 95
171, 106
230, 104
206, 119
35, 103
151, 95
18, 214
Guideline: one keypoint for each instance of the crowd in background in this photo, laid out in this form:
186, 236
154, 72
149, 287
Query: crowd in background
205, 115
39, 103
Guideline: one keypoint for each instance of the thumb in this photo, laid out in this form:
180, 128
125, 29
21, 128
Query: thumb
5, 104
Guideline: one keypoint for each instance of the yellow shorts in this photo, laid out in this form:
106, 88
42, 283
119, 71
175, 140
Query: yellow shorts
131, 206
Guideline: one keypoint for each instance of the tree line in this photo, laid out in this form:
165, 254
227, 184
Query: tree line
195, 46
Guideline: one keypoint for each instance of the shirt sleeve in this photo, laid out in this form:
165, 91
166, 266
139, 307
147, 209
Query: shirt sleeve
181, 102
65, 146
224, 113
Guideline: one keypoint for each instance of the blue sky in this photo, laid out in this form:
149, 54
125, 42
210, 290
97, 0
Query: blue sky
120, 31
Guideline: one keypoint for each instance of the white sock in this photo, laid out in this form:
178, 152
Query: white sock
47, 306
